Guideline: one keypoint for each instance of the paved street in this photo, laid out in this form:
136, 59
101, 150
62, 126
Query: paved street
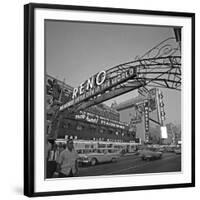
132, 164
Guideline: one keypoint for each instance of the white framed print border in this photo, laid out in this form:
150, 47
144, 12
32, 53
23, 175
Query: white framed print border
75, 42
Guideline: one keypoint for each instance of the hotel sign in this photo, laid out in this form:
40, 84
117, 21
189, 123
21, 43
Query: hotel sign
96, 119
146, 120
98, 84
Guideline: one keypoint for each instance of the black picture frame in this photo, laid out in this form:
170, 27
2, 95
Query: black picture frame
29, 97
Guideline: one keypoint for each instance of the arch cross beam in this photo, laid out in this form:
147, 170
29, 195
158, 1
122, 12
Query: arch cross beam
162, 72
158, 67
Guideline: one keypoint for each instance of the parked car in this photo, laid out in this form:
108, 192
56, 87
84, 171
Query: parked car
169, 149
150, 154
99, 156
161, 149
177, 151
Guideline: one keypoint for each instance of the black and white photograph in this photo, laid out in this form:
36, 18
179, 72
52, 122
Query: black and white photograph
113, 99
108, 100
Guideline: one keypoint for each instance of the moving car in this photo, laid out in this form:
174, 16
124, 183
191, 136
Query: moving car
99, 156
177, 151
150, 154
169, 149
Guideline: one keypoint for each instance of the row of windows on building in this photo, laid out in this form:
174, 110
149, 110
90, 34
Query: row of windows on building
95, 128
75, 137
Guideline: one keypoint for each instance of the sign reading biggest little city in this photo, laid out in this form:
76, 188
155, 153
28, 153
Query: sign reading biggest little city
98, 84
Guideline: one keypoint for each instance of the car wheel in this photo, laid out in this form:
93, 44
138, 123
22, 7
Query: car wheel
114, 160
93, 161
148, 159
143, 158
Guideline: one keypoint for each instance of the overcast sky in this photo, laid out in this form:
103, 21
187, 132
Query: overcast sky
75, 51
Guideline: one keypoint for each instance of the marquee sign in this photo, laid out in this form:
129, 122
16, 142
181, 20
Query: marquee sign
96, 119
98, 84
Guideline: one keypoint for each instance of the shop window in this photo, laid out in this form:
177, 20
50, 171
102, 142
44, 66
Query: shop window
110, 132
102, 131
92, 127
69, 125
64, 125
79, 127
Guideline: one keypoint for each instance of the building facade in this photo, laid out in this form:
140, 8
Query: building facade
99, 122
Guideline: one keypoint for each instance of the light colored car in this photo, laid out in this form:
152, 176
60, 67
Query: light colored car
150, 154
99, 156
177, 151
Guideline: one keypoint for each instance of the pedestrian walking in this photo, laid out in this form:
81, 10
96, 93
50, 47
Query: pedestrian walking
67, 165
